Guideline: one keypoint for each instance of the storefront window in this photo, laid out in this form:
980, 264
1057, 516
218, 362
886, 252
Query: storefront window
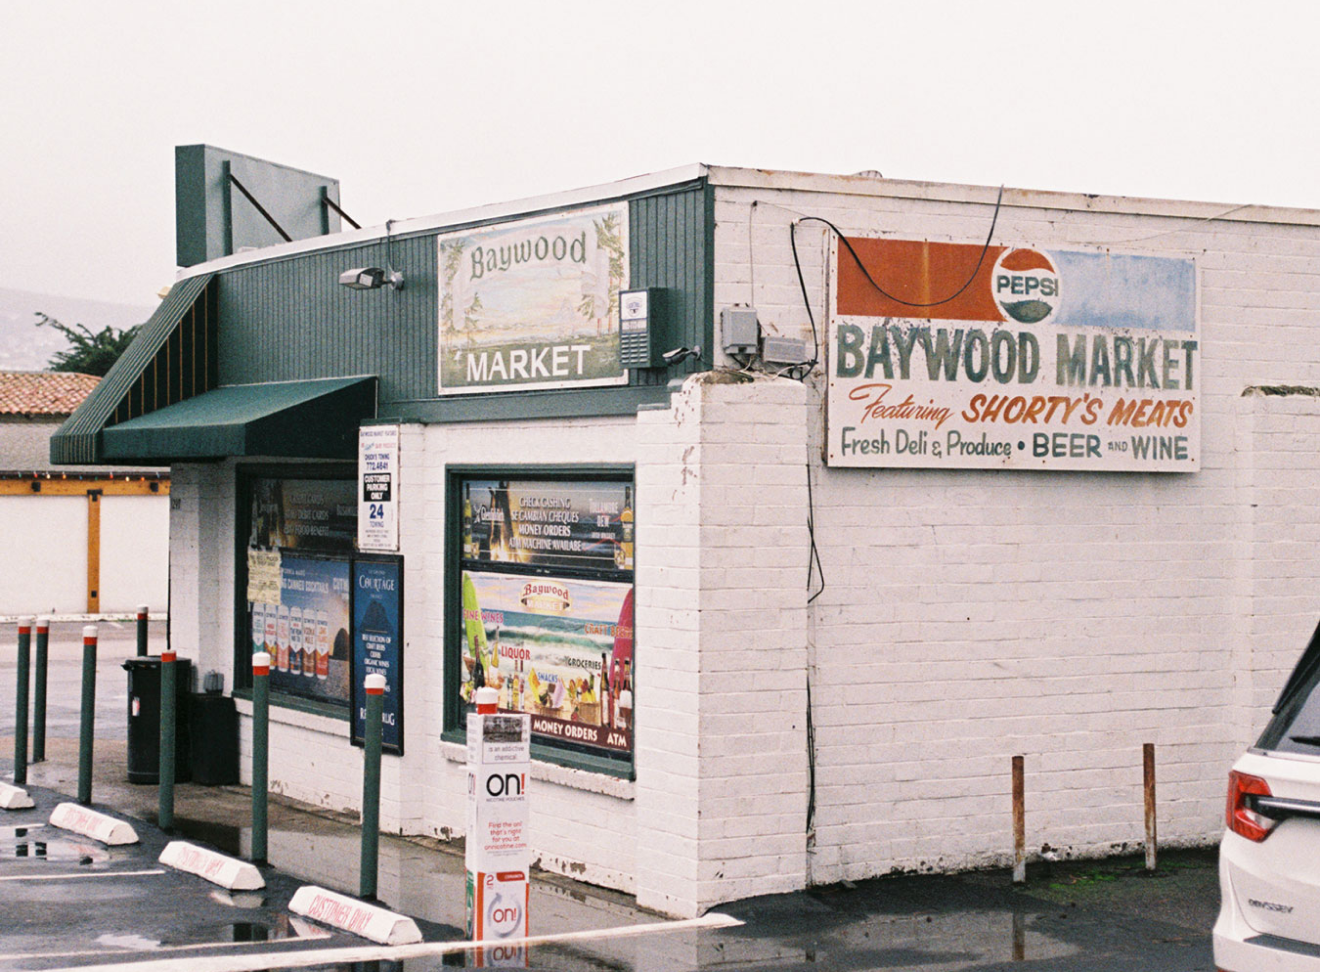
296, 582
545, 606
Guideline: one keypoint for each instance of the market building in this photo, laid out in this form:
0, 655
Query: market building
792, 507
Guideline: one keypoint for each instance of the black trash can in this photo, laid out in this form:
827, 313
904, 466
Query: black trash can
144, 719
213, 727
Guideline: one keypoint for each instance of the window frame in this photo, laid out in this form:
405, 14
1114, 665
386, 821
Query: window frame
454, 730
244, 475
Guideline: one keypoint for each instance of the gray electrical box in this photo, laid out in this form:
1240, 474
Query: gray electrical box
783, 350
739, 329
641, 333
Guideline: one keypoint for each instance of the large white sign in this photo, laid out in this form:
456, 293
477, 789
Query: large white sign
378, 488
533, 303
1043, 360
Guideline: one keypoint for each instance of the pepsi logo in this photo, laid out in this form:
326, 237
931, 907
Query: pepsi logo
1025, 284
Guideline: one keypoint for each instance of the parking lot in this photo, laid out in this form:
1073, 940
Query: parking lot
71, 902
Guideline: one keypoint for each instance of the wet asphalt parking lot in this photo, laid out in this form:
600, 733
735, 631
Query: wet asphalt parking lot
70, 902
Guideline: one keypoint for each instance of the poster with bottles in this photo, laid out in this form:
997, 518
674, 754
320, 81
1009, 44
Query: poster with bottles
378, 645
556, 648
304, 627
581, 524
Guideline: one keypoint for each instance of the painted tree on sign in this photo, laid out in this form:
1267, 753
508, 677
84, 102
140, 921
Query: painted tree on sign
90, 352
452, 254
471, 317
610, 239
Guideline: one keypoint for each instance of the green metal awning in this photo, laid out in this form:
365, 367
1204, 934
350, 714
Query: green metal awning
172, 358
315, 419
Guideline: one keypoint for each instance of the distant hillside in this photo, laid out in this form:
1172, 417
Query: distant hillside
26, 347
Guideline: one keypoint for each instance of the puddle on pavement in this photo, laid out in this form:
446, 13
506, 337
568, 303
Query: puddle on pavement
239, 899
279, 928
225, 838
22, 843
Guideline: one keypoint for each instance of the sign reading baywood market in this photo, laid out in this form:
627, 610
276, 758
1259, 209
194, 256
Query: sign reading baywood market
533, 303
1046, 360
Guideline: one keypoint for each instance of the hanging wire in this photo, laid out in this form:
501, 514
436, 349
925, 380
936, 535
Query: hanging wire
806, 301
813, 554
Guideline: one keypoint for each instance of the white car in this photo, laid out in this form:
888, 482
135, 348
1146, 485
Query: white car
1269, 861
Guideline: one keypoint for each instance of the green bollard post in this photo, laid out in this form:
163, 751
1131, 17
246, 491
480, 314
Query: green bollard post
87, 720
371, 733
168, 721
142, 631
260, 752
21, 700
39, 692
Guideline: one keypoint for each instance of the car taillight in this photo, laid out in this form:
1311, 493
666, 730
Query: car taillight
1241, 819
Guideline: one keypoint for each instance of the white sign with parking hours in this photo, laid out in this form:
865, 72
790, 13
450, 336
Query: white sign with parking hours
378, 488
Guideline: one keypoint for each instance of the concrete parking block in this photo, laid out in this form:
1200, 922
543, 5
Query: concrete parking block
89, 823
14, 798
228, 872
351, 915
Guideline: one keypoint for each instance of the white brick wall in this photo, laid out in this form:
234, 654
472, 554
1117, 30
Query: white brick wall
972, 616
721, 616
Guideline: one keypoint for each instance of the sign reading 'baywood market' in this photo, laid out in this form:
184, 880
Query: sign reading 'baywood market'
1046, 360
533, 303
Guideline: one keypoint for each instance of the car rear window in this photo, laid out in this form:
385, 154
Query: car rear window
1295, 727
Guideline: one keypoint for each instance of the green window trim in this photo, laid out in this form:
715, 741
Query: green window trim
454, 725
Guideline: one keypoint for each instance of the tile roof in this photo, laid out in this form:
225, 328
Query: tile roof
43, 392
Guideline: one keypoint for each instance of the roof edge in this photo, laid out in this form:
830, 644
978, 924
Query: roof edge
423, 224
863, 185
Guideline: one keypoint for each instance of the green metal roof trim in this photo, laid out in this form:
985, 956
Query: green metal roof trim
315, 419
77, 439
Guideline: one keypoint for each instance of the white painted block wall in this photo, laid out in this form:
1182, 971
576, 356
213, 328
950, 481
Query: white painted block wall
135, 537
45, 541
45, 562
971, 616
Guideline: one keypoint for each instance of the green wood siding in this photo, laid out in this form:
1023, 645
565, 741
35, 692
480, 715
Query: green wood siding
670, 248
289, 320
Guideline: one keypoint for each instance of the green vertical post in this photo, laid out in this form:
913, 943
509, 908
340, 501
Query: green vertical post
168, 721
21, 700
371, 737
39, 692
260, 752
142, 631
87, 720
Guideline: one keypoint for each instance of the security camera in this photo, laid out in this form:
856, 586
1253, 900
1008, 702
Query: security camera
371, 278
363, 278
671, 358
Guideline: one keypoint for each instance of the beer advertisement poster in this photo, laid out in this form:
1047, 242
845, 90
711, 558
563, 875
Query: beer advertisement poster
547, 645
962, 356
533, 303
306, 630
378, 645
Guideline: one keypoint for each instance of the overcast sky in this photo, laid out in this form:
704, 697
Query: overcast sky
419, 108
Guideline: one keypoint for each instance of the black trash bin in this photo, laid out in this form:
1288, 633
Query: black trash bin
144, 719
213, 727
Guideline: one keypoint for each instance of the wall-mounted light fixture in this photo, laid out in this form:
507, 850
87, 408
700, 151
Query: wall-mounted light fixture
678, 355
371, 278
